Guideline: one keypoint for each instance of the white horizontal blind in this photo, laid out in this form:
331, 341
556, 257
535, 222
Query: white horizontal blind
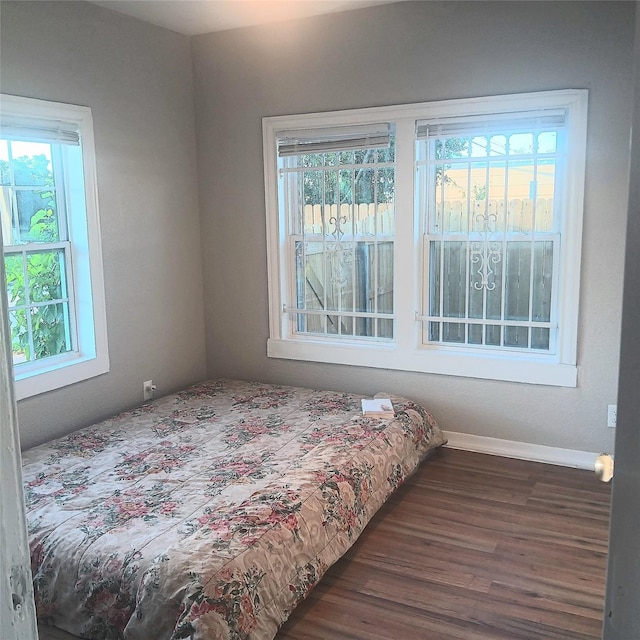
503, 123
39, 131
326, 140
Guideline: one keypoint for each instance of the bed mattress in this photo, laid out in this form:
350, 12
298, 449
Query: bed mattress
212, 512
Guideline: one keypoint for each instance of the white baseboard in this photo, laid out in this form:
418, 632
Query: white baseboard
522, 450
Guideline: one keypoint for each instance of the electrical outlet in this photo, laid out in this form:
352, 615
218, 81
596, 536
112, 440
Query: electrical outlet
147, 390
612, 415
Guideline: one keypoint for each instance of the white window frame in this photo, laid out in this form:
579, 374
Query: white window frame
406, 352
89, 356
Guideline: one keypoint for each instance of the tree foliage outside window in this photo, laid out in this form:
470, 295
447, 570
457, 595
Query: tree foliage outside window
347, 179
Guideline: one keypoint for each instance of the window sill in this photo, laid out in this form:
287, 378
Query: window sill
59, 375
528, 370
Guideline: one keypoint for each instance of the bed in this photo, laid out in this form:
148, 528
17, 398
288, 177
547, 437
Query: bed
212, 512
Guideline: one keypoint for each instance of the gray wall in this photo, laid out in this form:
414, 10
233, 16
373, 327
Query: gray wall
138, 81
402, 53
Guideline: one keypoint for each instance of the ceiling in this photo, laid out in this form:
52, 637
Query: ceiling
193, 17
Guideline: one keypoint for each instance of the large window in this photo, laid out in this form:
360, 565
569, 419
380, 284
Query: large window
440, 237
338, 191
51, 245
487, 193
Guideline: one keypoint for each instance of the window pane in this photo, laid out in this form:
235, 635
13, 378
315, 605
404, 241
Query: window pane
331, 189
540, 338
517, 337
388, 154
451, 199
32, 164
547, 142
365, 261
365, 186
498, 145
386, 185
37, 215
434, 283
330, 159
546, 180
497, 197
20, 345
452, 148
312, 187
14, 268
345, 157
46, 279
455, 276
518, 269
46, 328
475, 334
519, 195
50, 330
521, 143
478, 197
493, 291
385, 329
453, 332
384, 295
492, 335
310, 275
346, 188
542, 278
479, 146
362, 156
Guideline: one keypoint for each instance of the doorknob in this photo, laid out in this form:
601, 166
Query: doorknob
604, 467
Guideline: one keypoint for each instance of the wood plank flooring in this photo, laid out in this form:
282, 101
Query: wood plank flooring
472, 547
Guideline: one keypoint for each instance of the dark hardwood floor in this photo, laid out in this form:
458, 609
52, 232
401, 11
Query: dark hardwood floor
472, 547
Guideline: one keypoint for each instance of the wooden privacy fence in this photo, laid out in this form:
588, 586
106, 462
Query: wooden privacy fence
366, 218
518, 215
510, 280
358, 279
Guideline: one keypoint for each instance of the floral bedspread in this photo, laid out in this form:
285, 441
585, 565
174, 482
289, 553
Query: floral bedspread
210, 513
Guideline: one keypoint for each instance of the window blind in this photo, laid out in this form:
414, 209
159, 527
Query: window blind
548, 120
51, 131
292, 143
